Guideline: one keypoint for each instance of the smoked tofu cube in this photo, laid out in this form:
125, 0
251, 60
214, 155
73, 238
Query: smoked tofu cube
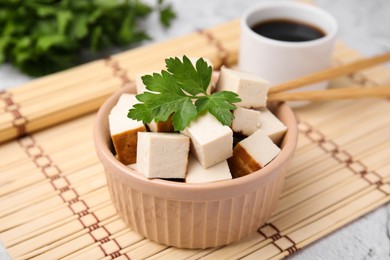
252, 154
271, 125
162, 155
163, 127
252, 89
125, 102
124, 136
211, 142
197, 174
246, 121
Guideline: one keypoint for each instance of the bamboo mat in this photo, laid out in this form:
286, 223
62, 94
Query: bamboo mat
54, 202
81, 90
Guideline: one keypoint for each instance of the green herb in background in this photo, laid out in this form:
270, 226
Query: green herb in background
44, 36
166, 14
174, 90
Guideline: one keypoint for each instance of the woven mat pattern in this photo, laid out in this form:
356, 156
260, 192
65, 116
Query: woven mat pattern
65, 95
54, 202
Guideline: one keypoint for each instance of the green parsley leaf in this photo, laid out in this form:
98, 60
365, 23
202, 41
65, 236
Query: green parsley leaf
184, 114
164, 83
220, 105
141, 112
193, 81
182, 91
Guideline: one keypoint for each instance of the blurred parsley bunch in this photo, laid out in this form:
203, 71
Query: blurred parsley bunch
44, 36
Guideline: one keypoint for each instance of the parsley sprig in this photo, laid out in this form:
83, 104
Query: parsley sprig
44, 36
181, 90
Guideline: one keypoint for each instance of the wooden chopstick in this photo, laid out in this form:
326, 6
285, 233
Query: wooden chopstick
331, 73
331, 94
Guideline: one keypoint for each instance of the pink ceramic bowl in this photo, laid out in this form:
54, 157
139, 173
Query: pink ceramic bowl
193, 215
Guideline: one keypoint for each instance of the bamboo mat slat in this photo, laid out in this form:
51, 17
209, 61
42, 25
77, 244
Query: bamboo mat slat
54, 202
68, 94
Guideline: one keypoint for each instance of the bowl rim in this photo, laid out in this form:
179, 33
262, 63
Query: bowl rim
129, 175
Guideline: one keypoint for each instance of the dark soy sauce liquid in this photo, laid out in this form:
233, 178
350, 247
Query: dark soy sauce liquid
287, 31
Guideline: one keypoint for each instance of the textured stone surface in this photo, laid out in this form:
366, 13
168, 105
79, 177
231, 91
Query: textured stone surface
364, 25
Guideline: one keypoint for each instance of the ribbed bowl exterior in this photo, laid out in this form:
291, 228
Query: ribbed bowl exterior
194, 215
194, 224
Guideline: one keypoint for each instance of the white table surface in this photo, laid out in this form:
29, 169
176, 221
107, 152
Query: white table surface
364, 26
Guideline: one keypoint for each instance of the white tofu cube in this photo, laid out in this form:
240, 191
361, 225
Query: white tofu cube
124, 136
162, 155
271, 125
252, 154
211, 142
197, 174
252, 89
125, 102
246, 121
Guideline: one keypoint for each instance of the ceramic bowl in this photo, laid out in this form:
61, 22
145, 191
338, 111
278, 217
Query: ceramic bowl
194, 215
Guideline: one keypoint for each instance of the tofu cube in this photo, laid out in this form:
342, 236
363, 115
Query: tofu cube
197, 174
125, 102
162, 127
124, 136
162, 155
252, 89
271, 125
246, 121
211, 142
252, 154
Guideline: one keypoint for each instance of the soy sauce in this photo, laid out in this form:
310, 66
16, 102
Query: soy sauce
288, 31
